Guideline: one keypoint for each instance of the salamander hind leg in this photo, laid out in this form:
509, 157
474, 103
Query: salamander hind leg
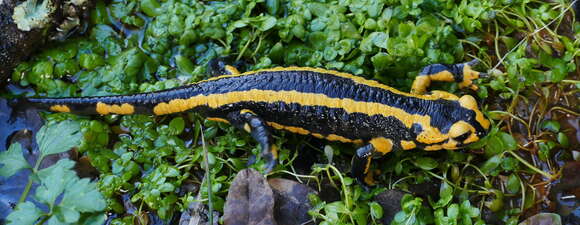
462, 73
257, 127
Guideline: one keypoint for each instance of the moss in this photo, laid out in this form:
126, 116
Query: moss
31, 14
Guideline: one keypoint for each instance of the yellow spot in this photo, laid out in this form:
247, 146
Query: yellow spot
472, 138
123, 109
431, 135
334, 137
317, 135
459, 128
297, 130
274, 151
444, 95
450, 144
382, 145
408, 145
246, 111
247, 128
433, 147
468, 102
217, 119
232, 70
60, 108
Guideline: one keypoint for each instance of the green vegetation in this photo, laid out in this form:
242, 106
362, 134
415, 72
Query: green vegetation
137, 46
69, 199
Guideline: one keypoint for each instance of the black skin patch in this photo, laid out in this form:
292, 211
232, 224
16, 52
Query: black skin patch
323, 121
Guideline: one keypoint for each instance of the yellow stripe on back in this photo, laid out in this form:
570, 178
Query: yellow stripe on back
355, 79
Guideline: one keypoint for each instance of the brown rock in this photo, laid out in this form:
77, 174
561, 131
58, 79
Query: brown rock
390, 200
292, 202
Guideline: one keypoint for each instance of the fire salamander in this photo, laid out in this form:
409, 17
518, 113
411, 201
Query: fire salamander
310, 101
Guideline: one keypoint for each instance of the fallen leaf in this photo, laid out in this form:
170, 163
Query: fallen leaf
250, 200
543, 219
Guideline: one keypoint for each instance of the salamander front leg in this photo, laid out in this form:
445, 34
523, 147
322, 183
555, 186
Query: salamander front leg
462, 73
252, 123
361, 162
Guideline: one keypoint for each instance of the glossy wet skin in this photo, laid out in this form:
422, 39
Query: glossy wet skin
312, 101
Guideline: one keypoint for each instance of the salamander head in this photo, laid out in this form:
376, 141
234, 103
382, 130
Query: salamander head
470, 124
456, 125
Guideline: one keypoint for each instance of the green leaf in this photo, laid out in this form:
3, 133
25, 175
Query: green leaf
491, 164
376, 210
53, 181
97, 219
513, 183
453, 211
445, 194
563, 140
380, 61
497, 203
545, 149
24, 214
272, 6
68, 215
78, 195
91, 61
551, 125
184, 64
83, 196
510, 164
151, 8
426, 163
267, 23
494, 146
177, 125
57, 138
509, 143
12, 160
469, 210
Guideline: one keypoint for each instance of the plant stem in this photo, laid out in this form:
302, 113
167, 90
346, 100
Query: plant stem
29, 183
208, 178
535, 169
